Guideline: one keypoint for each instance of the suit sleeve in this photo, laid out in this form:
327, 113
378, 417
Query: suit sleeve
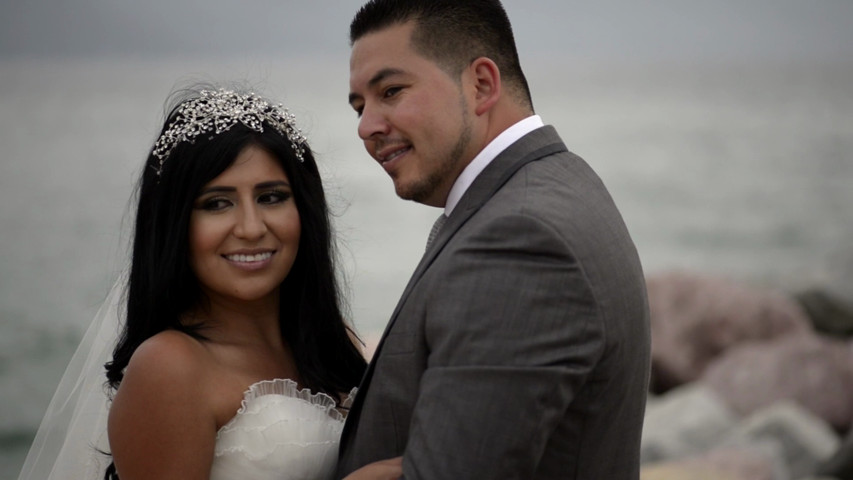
513, 331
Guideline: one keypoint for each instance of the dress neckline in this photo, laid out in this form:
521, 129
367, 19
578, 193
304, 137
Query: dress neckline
285, 388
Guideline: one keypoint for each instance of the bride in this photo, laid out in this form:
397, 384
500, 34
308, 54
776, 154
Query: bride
234, 360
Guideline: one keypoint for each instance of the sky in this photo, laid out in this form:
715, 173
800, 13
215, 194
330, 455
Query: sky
615, 30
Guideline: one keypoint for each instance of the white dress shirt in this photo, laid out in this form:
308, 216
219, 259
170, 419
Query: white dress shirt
485, 157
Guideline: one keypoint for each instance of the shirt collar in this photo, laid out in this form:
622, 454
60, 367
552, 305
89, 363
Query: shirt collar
485, 157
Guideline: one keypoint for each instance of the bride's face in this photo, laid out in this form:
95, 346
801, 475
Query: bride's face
244, 229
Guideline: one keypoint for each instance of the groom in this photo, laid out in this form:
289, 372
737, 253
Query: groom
520, 347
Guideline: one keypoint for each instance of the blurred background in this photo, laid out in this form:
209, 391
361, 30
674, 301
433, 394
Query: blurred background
723, 130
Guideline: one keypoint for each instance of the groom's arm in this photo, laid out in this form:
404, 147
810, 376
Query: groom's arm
513, 330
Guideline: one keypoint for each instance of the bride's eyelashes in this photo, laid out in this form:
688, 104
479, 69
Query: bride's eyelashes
214, 204
270, 197
274, 197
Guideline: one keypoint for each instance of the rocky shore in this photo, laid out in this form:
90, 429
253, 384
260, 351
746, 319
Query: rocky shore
748, 383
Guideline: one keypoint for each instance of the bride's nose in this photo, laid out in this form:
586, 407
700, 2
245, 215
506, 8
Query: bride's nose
250, 224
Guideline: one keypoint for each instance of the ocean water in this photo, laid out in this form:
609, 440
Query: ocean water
732, 169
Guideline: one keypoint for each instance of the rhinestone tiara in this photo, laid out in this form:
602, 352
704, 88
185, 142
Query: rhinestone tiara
216, 111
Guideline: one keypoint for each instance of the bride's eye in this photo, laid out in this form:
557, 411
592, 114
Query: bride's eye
273, 197
214, 204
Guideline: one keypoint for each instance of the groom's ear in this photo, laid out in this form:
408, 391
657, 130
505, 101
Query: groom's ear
486, 79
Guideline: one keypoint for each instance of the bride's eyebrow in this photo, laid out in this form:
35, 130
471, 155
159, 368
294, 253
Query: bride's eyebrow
216, 189
274, 183
260, 186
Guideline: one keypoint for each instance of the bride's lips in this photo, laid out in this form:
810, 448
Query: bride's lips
250, 260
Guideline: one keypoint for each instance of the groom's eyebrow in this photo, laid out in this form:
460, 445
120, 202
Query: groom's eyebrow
376, 79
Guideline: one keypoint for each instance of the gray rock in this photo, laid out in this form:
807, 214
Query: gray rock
840, 464
814, 371
747, 463
829, 314
686, 421
695, 318
804, 439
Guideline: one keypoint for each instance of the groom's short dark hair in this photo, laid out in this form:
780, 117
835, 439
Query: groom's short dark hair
452, 33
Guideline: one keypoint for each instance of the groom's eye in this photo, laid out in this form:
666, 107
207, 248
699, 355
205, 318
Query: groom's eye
391, 91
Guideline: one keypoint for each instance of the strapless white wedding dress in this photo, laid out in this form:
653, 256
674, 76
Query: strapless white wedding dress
280, 433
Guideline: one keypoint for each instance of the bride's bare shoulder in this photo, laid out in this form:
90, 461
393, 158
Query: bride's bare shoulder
170, 368
171, 347
162, 419
168, 356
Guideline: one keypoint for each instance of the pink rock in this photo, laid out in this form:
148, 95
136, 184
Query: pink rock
814, 371
695, 318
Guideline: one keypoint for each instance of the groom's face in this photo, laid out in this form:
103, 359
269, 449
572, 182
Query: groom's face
414, 118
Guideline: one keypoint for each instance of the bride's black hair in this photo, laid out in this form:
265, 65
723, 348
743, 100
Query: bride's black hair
162, 286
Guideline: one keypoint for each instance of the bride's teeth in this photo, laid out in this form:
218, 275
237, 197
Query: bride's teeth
250, 258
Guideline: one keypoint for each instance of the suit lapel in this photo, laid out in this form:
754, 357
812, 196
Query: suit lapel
533, 146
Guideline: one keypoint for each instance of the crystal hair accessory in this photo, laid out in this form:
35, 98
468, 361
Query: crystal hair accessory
216, 111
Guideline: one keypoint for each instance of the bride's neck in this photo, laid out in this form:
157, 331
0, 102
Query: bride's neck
230, 321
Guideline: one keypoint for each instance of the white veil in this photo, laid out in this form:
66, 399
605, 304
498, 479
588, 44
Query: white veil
73, 433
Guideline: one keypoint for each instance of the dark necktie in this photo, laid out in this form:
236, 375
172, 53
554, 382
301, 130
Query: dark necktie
436, 227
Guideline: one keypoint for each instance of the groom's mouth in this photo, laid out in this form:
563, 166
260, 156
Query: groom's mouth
389, 156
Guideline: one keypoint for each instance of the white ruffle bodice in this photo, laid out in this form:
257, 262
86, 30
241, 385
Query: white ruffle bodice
280, 432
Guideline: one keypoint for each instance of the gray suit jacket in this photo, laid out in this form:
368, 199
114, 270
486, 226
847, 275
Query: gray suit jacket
520, 347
